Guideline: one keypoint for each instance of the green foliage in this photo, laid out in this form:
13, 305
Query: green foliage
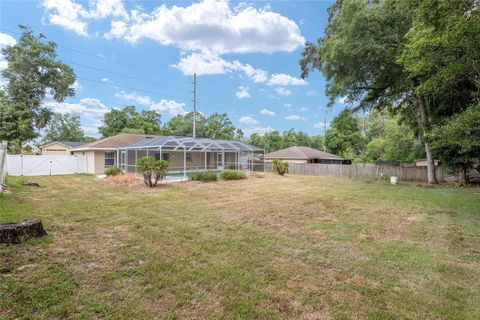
33, 68
64, 127
273, 141
233, 175
280, 167
417, 58
215, 126
344, 134
129, 120
203, 176
457, 142
442, 54
396, 143
113, 171
152, 170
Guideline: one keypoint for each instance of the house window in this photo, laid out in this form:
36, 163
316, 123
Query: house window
189, 157
109, 159
157, 155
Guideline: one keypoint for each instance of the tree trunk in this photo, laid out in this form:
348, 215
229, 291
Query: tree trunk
15, 232
430, 161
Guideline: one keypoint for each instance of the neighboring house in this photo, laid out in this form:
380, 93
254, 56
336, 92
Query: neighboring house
305, 155
59, 147
105, 153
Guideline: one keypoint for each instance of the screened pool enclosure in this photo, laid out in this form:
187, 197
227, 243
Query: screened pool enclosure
186, 154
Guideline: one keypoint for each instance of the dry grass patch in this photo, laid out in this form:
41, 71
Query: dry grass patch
261, 248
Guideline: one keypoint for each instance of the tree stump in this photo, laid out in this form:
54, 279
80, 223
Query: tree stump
15, 232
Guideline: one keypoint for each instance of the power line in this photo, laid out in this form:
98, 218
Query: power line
209, 106
120, 74
101, 57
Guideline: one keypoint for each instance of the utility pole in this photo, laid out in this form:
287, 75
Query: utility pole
194, 103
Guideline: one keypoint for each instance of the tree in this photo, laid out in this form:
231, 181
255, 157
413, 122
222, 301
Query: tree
64, 127
152, 170
219, 126
457, 142
182, 125
33, 70
128, 120
344, 136
396, 143
417, 58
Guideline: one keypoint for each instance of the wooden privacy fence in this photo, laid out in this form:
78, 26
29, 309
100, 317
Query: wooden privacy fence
361, 171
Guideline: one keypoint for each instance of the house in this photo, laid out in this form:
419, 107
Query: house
104, 153
59, 147
187, 154
184, 154
305, 155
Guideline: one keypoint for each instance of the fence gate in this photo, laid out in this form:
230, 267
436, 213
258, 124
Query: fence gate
30, 165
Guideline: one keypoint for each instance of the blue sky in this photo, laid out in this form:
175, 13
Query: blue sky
245, 55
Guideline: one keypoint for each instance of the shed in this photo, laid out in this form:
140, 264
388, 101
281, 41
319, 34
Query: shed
59, 147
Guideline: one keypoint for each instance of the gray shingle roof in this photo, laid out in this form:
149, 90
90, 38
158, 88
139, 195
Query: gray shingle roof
301, 153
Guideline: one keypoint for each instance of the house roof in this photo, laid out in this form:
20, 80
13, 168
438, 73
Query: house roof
69, 144
301, 153
115, 142
173, 142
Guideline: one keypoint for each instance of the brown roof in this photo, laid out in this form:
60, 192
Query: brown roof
118, 141
302, 153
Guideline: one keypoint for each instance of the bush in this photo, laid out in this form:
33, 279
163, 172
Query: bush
113, 171
152, 170
280, 167
203, 176
233, 175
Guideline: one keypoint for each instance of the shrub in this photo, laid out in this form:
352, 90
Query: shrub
233, 175
152, 170
203, 176
280, 167
112, 171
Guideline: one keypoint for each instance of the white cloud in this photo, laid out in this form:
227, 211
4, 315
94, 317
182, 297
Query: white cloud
105, 79
311, 93
91, 131
87, 108
321, 125
207, 63
304, 109
287, 105
282, 79
77, 86
171, 107
133, 96
73, 16
213, 25
342, 100
283, 92
5, 41
267, 112
242, 93
260, 130
294, 117
248, 120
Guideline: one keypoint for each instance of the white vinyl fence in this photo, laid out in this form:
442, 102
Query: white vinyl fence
26, 165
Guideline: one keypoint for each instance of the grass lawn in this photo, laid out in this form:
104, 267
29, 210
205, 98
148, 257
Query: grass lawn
263, 248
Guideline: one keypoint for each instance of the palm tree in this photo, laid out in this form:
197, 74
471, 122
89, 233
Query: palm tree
160, 170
